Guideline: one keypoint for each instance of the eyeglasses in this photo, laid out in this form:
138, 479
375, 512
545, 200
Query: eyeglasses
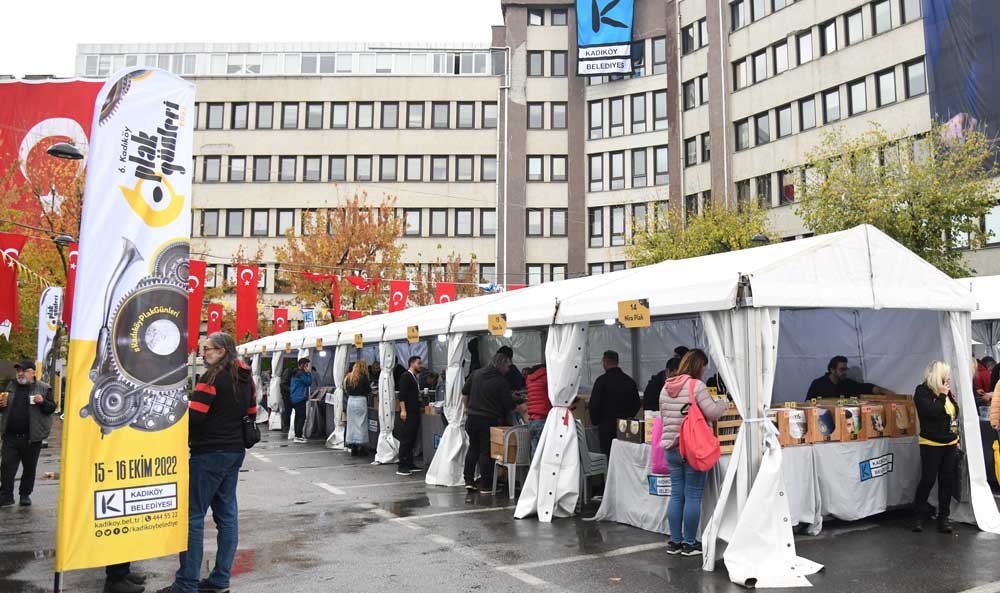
207, 348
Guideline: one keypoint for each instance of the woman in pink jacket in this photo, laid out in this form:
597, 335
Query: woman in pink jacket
686, 483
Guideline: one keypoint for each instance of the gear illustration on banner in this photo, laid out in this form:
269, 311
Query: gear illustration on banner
118, 92
140, 367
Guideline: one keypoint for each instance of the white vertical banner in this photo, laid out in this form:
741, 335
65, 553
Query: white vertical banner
49, 314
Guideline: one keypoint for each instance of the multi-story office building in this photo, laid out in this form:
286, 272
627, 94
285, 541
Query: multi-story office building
501, 151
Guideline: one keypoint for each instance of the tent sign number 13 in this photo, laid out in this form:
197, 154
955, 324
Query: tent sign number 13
633, 314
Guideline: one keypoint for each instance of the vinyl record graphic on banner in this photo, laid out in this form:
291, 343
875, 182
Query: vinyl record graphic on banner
148, 328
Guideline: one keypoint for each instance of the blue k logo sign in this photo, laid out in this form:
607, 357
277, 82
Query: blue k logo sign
599, 16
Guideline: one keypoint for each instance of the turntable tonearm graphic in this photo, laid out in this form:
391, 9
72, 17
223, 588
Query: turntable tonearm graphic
140, 366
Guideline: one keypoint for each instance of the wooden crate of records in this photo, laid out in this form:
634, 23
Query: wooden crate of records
726, 428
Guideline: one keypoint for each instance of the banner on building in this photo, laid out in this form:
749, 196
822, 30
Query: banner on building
11, 246
123, 485
196, 298
49, 312
604, 37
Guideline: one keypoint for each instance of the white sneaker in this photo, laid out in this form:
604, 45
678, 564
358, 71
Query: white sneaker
300, 440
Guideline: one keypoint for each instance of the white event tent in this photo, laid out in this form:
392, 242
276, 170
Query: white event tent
738, 299
986, 320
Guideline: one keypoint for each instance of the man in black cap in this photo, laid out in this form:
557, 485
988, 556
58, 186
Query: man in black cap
26, 408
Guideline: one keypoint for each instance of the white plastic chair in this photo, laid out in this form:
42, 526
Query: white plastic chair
522, 457
591, 464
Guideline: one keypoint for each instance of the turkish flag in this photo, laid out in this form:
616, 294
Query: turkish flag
399, 292
11, 245
214, 318
444, 292
335, 297
355, 315
511, 287
74, 255
280, 321
196, 298
246, 302
363, 284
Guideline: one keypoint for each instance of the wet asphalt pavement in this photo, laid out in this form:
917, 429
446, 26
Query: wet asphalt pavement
312, 519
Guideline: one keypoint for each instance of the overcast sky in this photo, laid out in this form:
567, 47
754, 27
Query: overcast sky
41, 37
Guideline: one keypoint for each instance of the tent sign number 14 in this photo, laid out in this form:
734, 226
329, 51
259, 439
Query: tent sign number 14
633, 314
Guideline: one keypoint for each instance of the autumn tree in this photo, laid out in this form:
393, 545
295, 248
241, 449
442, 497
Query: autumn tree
929, 192
465, 276
717, 230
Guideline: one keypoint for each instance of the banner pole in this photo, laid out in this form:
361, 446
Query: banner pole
57, 584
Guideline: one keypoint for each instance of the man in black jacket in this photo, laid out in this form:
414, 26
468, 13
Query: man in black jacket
25, 421
615, 395
286, 397
651, 395
408, 401
490, 404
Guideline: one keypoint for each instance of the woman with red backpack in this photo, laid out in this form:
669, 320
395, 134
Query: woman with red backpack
686, 482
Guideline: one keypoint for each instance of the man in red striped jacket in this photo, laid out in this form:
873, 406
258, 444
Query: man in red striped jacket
220, 400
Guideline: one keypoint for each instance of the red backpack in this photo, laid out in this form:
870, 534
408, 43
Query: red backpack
698, 443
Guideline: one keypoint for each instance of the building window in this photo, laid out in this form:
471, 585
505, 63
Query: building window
261, 168
690, 97
617, 226
289, 116
596, 120
596, 173
338, 118
536, 17
313, 165
617, 108
387, 168
536, 63
265, 116
414, 168
659, 55
362, 168
489, 115
213, 169
742, 134
557, 222
439, 223
807, 113
463, 223
691, 152
390, 115
466, 115
855, 27
738, 12
617, 170
595, 269
690, 206
241, 115
831, 105
639, 218
559, 60
742, 192
703, 89
411, 219
781, 57
215, 116
557, 272
706, 148
259, 223
237, 169
777, 5
414, 115
463, 168
886, 87
595, 218
881, 16
858, 97
314, 116
991, 225
784, 121
558, 116
703, 32
488, 168
740, 76
536, 116
916, 81
805, 46
364, 115
786, 188
535, 172
535, 218
763, 129
487, 222
286, 222
660, 110
828, 37
757, 10
911, 10
639, 167
338, 168
535, 274
687, 40
234, 223
760, 66
439, 168
559, 18
286, 168
440, 115
209, 223
558, 172
661, 176
764, 191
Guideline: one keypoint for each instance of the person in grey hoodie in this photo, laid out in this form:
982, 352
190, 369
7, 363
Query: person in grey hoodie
687, 484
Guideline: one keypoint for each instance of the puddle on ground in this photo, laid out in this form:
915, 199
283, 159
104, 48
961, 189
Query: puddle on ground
11, 563
405, 508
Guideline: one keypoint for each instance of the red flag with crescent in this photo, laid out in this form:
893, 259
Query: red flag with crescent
355, 315
511, 287
196, 298
335, 297
280, 321
444, 292
74, 255
214, 318
399, 293
363, 284
246, 302
11, 245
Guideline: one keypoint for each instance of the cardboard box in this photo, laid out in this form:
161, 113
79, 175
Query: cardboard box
497, 453
901, 418
873, 420
791, 424
633, 431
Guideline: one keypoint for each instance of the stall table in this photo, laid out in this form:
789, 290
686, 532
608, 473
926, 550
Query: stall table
431, 429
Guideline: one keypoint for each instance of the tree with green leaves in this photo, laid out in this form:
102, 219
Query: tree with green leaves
717, 230
929, 191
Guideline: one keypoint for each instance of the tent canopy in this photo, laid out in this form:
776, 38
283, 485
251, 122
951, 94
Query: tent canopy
986, 292
860, 268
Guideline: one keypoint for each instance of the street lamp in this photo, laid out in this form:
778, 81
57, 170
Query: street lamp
65, 150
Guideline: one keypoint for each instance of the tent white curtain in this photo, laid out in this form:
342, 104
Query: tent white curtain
336, 438
274, 391
258, 387
987, 332
553, 483
387, 450
448, 464
956, 329
752, 518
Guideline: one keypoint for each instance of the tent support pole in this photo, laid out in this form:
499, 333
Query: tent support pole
752, 396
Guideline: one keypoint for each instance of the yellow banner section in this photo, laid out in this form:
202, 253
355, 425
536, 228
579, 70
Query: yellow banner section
122, 496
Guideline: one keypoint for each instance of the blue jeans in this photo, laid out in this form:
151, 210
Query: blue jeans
684, 509
213, 478
535, 430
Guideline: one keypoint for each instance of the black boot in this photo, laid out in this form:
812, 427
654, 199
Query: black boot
922, 518
944, 524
